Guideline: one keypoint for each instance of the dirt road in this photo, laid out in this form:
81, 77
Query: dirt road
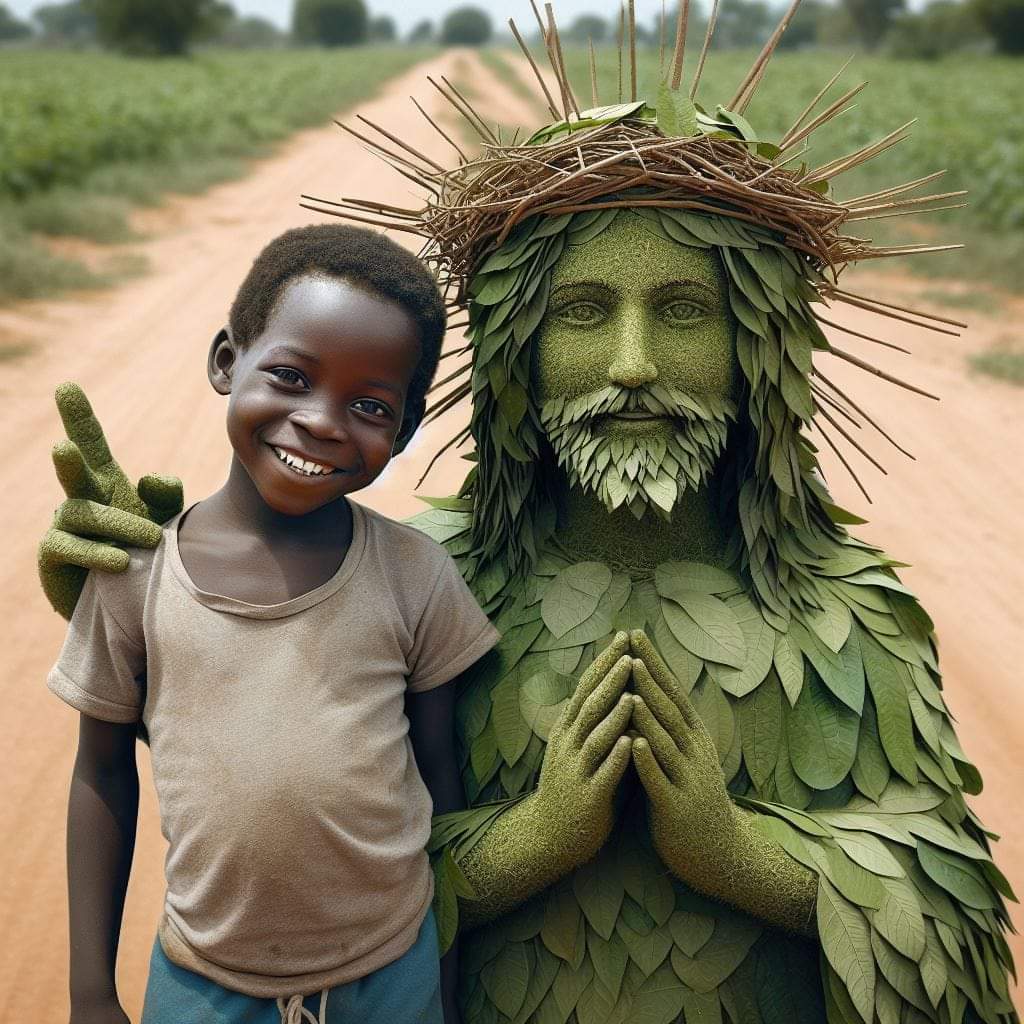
139, 352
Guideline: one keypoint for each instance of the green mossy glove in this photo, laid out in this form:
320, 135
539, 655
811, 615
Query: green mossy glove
102, 509
570, 815
698, 832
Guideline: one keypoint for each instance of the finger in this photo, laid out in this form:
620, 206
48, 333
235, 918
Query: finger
76, 478
599, 668
163, 495
647, 767
614, 765
601, 700
644, 649
90, 519
665, 750
659, 702
83, 428
59, 549
603, 736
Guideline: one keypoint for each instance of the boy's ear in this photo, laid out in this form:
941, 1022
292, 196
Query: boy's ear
410, 424
220, 363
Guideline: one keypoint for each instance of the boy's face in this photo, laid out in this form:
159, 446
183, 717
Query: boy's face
317, 400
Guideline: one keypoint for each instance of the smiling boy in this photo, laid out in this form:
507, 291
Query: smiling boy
286, 651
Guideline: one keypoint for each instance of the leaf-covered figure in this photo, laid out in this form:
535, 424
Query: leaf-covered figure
711, 773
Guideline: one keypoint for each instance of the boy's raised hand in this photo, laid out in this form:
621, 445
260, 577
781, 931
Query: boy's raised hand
103, 509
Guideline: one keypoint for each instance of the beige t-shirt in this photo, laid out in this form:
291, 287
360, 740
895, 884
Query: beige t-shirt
288, 792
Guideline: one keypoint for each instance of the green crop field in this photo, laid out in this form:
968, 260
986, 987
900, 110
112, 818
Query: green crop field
85, 136
67, 114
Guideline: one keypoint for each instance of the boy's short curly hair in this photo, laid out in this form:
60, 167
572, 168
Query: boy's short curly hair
365, 258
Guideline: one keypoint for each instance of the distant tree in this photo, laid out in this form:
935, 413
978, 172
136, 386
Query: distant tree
382, 29
743, 23
942, 27
250, 32
421, 32
11, 28
872, 19
70, 22
161, 27
1004, 22
466, 26
805, 28
330, 22
586, 26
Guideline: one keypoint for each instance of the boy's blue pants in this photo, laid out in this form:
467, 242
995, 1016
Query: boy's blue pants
407, 991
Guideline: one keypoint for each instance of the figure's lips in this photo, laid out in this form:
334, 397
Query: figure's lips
636, 416
299, 463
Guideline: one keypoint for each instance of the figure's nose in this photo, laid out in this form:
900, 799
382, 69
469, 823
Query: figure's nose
632, 365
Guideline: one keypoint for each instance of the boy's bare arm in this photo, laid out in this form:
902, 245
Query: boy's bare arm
431, 731
102, 816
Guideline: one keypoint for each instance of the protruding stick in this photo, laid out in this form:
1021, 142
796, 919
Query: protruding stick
661, 42
440, 131
556, 40
536, 70
593, 73
856, 408
632, 49
704, 49
682, 20
857, 334
747, 86
622, 39
810, 106
846, 465
879, 373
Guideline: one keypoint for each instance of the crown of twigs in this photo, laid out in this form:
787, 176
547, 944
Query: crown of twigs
672, 154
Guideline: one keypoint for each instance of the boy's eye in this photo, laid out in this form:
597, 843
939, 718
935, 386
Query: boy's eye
286, 375
373, 407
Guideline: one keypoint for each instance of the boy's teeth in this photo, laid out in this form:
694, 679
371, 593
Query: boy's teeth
303, 466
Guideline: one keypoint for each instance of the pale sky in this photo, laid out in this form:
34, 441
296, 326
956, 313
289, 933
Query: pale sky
407, 12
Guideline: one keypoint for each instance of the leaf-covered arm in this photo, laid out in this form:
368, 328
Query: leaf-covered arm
909, 908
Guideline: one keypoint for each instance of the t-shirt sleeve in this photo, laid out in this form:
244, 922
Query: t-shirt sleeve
101, 667
453, 632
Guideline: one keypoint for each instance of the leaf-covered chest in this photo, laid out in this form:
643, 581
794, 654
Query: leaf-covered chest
845, 699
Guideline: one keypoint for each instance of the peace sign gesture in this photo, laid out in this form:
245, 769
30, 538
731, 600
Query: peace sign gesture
103, 509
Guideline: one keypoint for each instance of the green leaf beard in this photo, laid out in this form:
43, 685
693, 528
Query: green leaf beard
812, 667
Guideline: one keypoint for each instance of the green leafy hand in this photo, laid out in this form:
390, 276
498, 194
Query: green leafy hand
103, 509
697, 831
677, 762
587, 754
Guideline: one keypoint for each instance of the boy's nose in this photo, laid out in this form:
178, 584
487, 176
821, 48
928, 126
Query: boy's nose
322, 424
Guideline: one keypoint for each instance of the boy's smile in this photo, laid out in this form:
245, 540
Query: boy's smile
317, 400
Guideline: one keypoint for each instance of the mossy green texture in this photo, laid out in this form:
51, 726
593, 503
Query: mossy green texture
818, 786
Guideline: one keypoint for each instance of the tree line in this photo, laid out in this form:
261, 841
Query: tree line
172, 26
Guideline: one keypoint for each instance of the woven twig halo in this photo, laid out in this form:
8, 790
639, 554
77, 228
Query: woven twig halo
673, 155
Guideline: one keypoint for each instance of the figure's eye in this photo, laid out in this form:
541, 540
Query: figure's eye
682, 312
373, 408
286, 375
582, 314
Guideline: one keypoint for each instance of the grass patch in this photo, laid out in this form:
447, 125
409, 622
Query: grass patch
1003, 363
982, 302
86, 137
12, 351
497, 61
